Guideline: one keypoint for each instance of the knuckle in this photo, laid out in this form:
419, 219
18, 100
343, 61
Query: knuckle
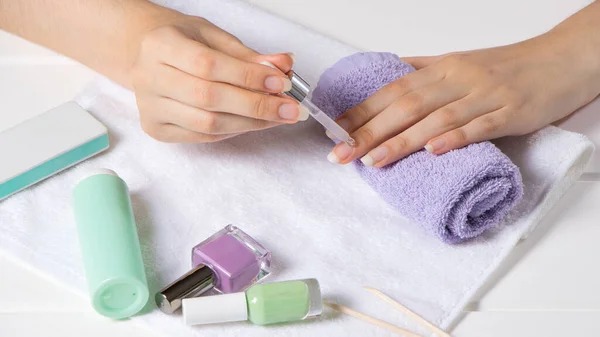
153, 130
365, 135
412, 104
207, 123
206, 94
262, 105
362, 113
401, 85
491, 124
448, 116
398, 144
249, 77
455, 59
205, 65
460, 136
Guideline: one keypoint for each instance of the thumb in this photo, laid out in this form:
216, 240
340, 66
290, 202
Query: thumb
233, 46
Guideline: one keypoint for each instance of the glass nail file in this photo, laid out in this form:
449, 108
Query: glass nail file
300, 90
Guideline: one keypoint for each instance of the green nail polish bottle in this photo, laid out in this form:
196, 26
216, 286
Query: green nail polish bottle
109, 245
261, 304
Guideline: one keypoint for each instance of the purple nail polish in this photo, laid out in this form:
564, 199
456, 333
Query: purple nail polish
229, 261
236, 259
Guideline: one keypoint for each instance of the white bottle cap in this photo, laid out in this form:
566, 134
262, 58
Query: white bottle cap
215, 309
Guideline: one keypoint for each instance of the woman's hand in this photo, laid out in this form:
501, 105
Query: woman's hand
196, 83
458, 99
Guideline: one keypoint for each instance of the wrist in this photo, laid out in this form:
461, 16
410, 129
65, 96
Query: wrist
143, 17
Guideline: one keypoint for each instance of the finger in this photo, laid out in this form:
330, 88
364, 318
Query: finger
223, 41
420, 62
400, 115
486, 127
221, 97
207, 122
201, 61
169, 133
444, 119
283, 62
357, 116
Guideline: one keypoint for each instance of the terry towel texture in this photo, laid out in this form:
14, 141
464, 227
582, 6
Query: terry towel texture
278, 186
456, 196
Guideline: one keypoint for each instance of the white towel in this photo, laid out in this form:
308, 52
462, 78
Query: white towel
318, 219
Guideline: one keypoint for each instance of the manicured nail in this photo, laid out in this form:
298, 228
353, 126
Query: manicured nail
435, 145
344, 123
292, 56
339, 153
330, 135
275, 83
375, 156
268, 64
303, 115
289, 111
278, 84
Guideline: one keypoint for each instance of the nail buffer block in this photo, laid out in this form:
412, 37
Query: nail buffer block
47, 144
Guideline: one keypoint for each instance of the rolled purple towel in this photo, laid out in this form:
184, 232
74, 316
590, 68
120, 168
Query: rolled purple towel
457, 195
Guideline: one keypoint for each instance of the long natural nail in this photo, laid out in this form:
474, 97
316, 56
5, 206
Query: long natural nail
292, 56
344, 123
289, 111
278, 84
339, 153
268, 64
375, 156
435, 145
303, 115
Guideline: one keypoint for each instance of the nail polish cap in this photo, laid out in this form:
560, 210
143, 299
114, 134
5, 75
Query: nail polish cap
215, 309
300, 88
194, 283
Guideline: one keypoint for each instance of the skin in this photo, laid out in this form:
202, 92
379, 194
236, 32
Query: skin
454, 100
193, 81
196, 83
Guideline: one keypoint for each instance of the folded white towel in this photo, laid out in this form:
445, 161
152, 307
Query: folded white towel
320, 220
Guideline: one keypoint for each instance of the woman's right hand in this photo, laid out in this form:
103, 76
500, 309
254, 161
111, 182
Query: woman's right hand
196, 83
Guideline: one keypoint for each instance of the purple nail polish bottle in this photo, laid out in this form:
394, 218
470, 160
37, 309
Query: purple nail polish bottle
229, 261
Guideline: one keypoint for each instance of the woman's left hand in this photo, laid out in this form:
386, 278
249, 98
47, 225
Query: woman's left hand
454, 100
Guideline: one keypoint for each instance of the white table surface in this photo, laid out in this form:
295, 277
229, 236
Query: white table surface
549, 286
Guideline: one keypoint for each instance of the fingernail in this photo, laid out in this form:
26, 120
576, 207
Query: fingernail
330, 135
375, 156
268, 64
275, 83
303, 115
344, 123
339, 153
292, 56
289, 111
435, 145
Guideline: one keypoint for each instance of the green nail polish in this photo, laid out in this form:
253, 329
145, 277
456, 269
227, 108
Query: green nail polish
261, 304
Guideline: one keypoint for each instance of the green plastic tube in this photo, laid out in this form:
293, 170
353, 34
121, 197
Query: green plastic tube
109, 244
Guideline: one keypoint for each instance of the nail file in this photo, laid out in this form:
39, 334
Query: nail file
47, 144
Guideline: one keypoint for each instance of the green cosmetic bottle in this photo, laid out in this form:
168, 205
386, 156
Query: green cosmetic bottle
109, 245
261, 304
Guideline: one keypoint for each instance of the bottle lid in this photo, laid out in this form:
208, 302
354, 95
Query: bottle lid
194, 283
215, 309
300, 88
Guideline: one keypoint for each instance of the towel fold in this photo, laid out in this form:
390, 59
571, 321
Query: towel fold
457, 195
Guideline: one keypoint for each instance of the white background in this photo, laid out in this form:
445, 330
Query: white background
549, 287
